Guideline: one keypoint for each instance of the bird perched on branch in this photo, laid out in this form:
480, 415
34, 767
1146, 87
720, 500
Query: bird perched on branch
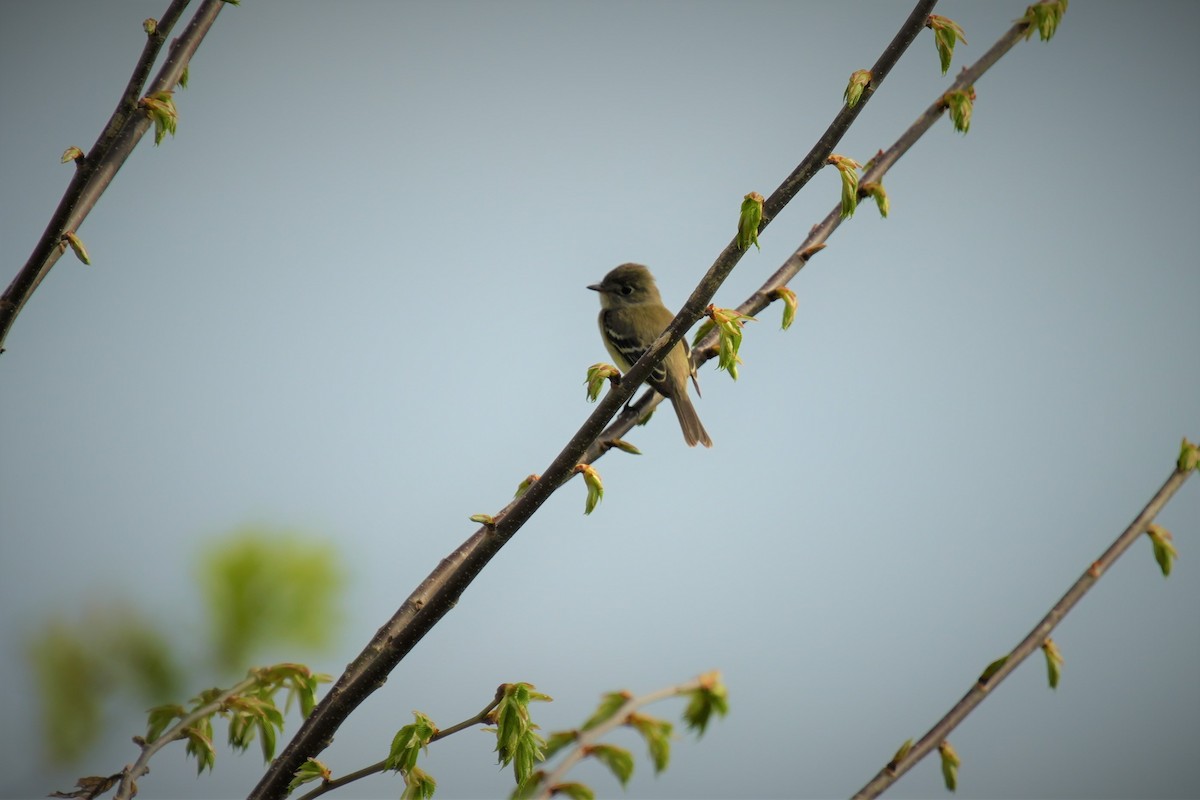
632, 316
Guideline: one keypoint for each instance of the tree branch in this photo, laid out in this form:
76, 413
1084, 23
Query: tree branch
121, 134
440, 591
985, 683
820, 233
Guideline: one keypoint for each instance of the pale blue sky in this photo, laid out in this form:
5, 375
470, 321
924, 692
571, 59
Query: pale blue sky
349, 297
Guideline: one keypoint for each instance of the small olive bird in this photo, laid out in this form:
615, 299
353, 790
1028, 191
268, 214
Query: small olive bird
632, 316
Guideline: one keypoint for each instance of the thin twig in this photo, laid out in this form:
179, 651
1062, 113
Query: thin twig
983, 686
440, 591
483, 717
128, 786
120, 135
594, 734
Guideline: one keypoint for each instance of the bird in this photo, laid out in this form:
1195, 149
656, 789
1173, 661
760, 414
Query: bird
632, 316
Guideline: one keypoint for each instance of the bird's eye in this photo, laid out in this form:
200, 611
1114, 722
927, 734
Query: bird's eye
627, 290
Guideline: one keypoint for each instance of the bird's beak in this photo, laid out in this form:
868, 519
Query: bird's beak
595, 287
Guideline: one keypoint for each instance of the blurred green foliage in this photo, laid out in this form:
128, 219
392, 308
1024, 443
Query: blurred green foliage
260, 588
265, 588
76, 665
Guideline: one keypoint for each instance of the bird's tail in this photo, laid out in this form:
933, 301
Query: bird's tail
693, 431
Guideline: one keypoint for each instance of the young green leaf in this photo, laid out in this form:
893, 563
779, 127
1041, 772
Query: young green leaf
657, 733
610, 704
597, 375
848, 169
960, 103
266, 732
945, 33
558, 740
310, 770
517, 741
418, 785
711, 698
878, 194
575, 791
160, 718
789, 305
199, 744
595, 489
160, 107
729, 324
618, 760
1044, 17
408, 742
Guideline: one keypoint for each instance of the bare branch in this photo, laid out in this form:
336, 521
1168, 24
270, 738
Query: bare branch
984, 685
121, 134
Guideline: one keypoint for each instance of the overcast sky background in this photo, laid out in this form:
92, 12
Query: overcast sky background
348, 297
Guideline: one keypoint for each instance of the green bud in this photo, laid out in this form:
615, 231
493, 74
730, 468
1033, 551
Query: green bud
879, 194
848, 169
992, 668
729, 325
749, 220
859, 81
524, 485
1164, 551
597, 374
595, 489
80, 251
960, 103
950, 764
1189, 457
789, 305
1054, 661
160, 107
900, 754
1044, 17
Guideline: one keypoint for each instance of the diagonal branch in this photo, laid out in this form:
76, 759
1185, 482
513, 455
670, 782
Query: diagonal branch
820, 233
986, 683
440, 591
121, 134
